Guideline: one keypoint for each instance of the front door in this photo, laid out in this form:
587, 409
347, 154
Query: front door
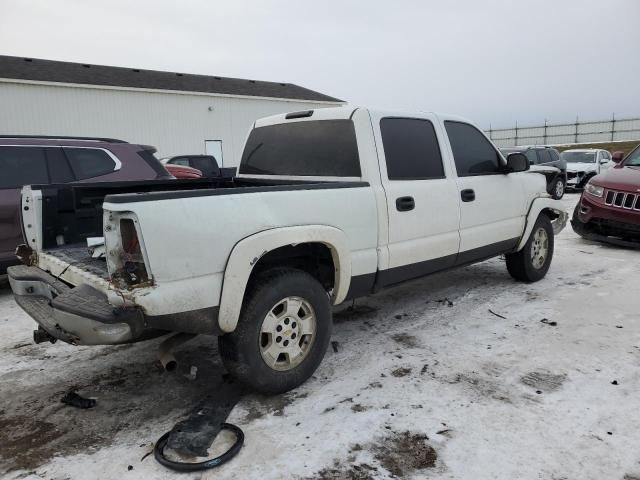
422, 203
492, 210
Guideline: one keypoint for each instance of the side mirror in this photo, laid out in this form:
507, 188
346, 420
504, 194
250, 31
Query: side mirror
517, 162
617, 156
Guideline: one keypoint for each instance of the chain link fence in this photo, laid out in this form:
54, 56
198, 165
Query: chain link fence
612, 130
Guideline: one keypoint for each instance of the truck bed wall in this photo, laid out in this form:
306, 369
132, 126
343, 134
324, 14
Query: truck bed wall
74, 211
193, 236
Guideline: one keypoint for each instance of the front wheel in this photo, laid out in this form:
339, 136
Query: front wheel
532, 262
282, 334
558, 189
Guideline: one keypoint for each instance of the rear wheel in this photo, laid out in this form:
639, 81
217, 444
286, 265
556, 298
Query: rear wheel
283, 332
532, 262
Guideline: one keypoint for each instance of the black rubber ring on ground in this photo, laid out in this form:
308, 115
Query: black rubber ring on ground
158, 452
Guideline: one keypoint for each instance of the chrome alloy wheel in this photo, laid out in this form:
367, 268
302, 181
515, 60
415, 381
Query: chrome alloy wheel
559, 189
539, 248
287, 333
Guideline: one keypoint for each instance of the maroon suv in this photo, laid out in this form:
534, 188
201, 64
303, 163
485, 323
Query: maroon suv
28, 160
609, 209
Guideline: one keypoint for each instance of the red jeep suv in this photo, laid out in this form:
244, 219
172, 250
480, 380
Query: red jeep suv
609, 209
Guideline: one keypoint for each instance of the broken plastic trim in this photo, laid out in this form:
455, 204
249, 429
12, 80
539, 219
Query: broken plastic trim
158, 453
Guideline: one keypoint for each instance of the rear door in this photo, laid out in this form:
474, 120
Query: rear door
492, 203
19, 165
422, 202
544, 157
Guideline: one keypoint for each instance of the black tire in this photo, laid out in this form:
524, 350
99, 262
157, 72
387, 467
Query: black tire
557, 191
577, 225
520, 264
584, 181
240, 350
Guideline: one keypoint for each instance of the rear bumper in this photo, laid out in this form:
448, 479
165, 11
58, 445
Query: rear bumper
576, 180
80, 316
83, 316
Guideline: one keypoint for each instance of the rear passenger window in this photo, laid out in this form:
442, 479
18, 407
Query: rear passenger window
472, 152
59, 168
21, 166
555, 156
89, 162
544, 156
411, 149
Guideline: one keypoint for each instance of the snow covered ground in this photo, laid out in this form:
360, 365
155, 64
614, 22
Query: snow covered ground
424, 382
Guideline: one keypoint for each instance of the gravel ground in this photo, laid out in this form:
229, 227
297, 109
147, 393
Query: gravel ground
464, 375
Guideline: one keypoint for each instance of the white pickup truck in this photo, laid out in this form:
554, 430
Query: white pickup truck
328, 205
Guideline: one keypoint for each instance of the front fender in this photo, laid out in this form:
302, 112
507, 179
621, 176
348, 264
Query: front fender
246, 254
539, 205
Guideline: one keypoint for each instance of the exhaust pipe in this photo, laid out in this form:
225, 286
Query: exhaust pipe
165, 349
41, 335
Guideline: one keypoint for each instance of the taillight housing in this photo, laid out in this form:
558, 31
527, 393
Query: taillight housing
133, 271
125, 252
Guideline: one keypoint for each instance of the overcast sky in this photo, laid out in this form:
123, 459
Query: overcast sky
493, 61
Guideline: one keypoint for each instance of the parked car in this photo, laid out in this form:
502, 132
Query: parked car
541, 157
609, 209
207, 164
182, 172
583, 164
329, 205
26, 160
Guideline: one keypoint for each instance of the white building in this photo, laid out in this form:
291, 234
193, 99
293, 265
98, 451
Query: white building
178, 113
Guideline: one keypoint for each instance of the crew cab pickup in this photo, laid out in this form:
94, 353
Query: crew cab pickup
329, 205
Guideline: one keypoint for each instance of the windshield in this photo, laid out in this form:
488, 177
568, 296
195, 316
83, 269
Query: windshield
633, 160
579, 157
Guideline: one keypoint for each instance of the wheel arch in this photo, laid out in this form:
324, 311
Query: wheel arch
543, 206
279, 247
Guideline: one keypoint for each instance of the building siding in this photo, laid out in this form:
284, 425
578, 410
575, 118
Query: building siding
175, 123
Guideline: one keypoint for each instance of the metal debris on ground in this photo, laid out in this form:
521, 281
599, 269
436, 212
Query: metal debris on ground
78, 401
497, 314
548, 322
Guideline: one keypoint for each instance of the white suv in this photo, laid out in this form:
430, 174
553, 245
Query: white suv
582, 164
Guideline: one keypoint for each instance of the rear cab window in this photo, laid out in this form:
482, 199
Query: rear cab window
21, 166
411, 149
206, 164
322, 148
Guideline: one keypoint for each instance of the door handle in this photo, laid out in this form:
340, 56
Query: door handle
404, 204
468, 195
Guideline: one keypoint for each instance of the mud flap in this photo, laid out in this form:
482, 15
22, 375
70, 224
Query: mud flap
194, 435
